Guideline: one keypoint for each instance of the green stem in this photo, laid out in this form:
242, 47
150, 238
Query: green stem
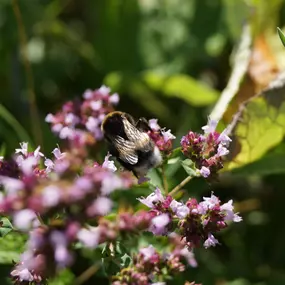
90, 271
164, 179
180, 185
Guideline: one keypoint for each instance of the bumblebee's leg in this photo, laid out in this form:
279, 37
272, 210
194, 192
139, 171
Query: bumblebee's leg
142, 125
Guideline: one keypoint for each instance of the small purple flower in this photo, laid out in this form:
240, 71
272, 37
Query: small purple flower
204, 171
167, 135
222, 150
154, 125
224, 138
37, 153
109, 184
51, 196
104, 90
89, 237
114, 99
57, 153
66, 133
148, 252
28, 164
210, 127
11, 185
152, 198
159, 223
88, 94
24, 219
210, 202
228, 208
101, 206
71, 119
49, 118
23, 150
180, 210
96, 105
49, 165
23, 274
210, 241
92, 124
189, 256
84, 184
109, 164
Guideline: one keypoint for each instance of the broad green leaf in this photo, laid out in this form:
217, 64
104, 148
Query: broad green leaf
11, 247
271, 164
183, 87
281, 36
188, 166
5, 226
155, 178
260, 125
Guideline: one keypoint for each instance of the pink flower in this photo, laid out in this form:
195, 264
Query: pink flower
24, 219
230, 215
167, 135
222, 150
114, 99
152, 198
89, 237
180, 210
101, 206
23, 150
210, 127
204, 171
109, 164
210, 241
159, 223
49, 118
51, 196
148, 252
57, 153
154, 125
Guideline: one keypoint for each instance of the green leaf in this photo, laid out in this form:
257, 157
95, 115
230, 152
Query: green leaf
126, 260
155, 178
281, 36
11, 247
188, 166
271, 164
259, 126
182, 86
5, 227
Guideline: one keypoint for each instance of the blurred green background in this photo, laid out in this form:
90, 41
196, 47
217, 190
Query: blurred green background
168, 59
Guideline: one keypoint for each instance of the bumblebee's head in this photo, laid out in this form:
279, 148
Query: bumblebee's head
113, 124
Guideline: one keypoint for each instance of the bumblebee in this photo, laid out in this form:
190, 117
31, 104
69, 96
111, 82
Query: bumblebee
129, 142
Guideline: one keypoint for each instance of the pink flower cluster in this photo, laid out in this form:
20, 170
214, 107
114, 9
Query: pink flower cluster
48, 250
163, 139
108, 231
149, 266
206, 150
34, 196
196, 222
79, 122
65, 181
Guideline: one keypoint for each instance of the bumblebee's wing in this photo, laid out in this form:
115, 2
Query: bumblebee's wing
140, 139
126, 150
